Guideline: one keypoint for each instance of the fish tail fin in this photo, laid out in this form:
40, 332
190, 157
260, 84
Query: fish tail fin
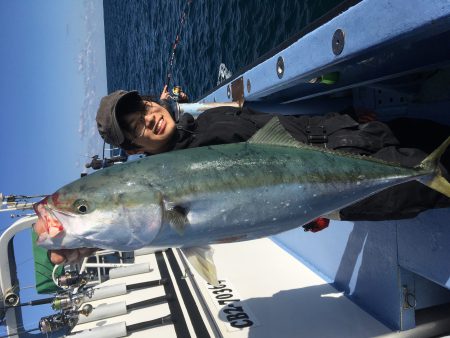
440, 184
431, 163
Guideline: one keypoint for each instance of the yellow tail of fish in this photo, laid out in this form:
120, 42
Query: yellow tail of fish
431, 162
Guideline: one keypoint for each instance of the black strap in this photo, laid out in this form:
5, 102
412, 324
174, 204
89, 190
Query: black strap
148, 284
189, 302
150, 302
177, 317
150, 324
316, 133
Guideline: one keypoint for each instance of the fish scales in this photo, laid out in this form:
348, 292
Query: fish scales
242, 177
232, 167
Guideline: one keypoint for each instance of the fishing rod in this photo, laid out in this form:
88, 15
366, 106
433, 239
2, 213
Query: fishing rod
67, 297
68, 303
50, 325
67, 319
73, 299
79, 292
182, 22
34, 302
97, 163
63, 320
75, 279
17, 202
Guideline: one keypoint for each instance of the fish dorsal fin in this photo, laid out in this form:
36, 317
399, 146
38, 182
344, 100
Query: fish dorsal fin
201, 258
274, 133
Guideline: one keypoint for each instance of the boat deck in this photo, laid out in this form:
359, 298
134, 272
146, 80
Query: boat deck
267, 293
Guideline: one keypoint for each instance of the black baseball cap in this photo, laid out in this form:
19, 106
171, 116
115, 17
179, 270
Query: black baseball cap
112, 106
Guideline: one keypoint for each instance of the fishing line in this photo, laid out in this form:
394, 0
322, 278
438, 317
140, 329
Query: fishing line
25, 261
34, 303
181, 23
28, 287
103, 153
25, 197
84, 155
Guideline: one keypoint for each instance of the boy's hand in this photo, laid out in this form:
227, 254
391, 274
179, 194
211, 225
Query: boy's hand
64, 255
165, 94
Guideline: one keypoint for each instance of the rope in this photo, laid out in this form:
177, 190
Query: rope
182, 22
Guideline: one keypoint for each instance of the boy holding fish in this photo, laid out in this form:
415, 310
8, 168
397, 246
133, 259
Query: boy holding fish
140, 125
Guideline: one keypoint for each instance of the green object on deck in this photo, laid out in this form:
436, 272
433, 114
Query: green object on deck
43, 269
330, 78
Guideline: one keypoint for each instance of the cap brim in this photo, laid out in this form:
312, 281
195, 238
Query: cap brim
116, 111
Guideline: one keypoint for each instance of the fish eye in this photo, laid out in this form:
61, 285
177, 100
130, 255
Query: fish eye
81, 206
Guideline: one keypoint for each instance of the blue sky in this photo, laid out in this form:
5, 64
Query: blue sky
53, 74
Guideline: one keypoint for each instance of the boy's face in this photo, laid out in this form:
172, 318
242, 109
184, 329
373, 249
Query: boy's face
155, 130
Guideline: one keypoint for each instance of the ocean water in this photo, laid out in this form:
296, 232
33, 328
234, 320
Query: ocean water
139, 35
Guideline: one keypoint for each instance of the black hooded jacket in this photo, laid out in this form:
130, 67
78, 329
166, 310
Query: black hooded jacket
335, 131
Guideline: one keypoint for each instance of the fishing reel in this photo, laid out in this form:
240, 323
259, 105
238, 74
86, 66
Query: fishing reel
176, 93
74, 279
11, 299
72, 300
63, 320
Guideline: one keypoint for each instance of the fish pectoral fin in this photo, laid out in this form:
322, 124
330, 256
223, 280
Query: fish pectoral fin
201, 258
177, 218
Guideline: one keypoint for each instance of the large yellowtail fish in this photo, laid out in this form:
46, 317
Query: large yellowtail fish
217, 194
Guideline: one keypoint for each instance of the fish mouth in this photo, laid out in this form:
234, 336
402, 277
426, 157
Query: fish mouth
47, 222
